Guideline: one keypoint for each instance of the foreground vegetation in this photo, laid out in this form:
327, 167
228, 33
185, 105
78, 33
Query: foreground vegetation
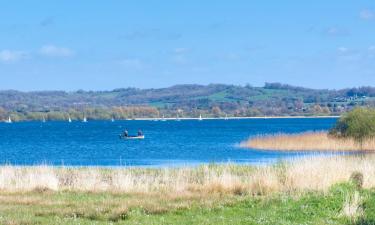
341, 204
215, 100
321, 190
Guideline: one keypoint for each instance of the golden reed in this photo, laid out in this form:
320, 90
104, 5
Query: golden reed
309, 141
306, 174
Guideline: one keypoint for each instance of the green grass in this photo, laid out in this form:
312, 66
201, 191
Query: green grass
46, 207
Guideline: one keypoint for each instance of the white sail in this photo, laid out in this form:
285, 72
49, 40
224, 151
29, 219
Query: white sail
226, 117
200, 116
84, 119
44, 120
9, 120
112, 120
163, 118
69, 120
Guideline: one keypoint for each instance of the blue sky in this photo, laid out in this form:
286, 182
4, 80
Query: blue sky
101, 45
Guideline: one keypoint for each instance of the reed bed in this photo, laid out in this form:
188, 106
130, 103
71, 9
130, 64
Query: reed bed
309, 141
307, 174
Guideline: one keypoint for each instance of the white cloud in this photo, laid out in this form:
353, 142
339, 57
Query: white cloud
180, 50
132, 63
343, 49
55, 51
367, 14
180, 59
336, 31
12, 56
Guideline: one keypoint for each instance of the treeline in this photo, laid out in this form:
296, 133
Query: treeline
118, 113
214, 100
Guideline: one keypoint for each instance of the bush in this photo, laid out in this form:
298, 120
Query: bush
356, 178
358, 124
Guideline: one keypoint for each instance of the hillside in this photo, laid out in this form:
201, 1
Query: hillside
212, 100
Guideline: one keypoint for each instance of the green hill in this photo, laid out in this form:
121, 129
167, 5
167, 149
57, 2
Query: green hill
214, 100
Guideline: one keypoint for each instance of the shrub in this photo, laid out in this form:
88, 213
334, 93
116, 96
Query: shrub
356, 178
358, 124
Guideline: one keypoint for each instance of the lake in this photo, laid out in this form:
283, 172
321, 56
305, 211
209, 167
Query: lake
166, 143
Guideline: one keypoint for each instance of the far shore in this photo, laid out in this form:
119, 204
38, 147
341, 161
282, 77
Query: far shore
194, 118
236, 118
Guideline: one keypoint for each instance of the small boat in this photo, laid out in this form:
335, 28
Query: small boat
163, 118
226, 117
112, 120
69, 119
132, 137
84, 119
200, 117
178, 118
9, 120
43, 120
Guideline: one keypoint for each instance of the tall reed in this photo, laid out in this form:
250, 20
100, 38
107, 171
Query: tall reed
309, 141
315, 173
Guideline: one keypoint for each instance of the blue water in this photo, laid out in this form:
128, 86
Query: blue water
168, 143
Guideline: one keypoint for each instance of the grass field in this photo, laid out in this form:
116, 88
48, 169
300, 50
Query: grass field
308, 191
105, 208
309, 141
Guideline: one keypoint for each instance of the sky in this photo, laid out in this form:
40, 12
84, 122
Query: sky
102, 45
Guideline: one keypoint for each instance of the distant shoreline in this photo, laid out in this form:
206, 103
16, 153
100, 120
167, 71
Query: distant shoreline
193, 118
237, 118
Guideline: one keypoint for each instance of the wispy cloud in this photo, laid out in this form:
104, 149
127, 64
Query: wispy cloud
336, 31
367, 14
229, 56
180, 50
154, 33
132, 63
179, 59
343, 49
55, 51
8, 56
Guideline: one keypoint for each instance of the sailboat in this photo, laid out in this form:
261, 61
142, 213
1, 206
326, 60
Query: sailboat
43, 120
69, 119
226, 117
200, 117
112, 119
84, 119
163, 118
9, 120
177, 118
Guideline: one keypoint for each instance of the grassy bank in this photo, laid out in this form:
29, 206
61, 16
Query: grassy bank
309, 141
341, 204
309, 191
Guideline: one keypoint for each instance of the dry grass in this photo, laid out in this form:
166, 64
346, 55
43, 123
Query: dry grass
315, 173
309, 141
43, 193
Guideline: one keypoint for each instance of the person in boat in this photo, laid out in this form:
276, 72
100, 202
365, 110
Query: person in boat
126, 133
139, 133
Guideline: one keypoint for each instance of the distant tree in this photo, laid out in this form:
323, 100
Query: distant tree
216, 111
358, 124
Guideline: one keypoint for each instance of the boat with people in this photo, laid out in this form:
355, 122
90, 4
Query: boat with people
125, 135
